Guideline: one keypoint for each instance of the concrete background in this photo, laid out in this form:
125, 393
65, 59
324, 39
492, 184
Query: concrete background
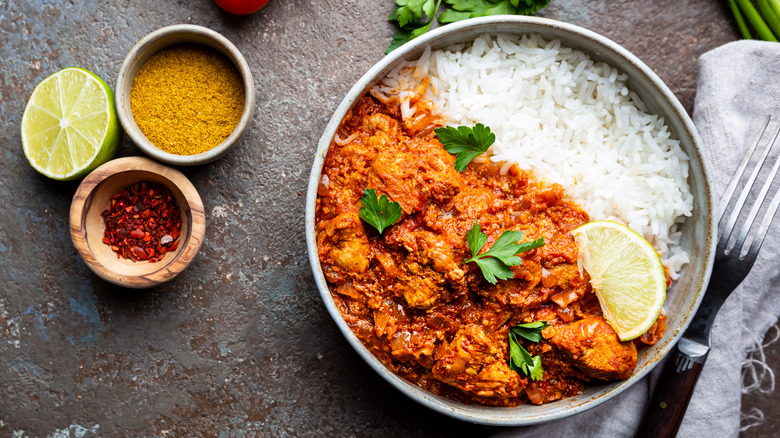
239, 344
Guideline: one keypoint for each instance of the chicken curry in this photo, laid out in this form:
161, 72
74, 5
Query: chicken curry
410, 298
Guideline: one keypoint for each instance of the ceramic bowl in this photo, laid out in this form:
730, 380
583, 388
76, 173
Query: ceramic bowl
698, 231
145, 49
87, 226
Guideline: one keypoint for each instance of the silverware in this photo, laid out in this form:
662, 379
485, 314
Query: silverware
732, 264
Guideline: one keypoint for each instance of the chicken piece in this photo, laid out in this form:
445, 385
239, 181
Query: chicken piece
411, 178
343, 240
474, 363
514, 292
594, 347
510, 292
562, 276
408, 346
654, 333
421, 287
381, 123
428, 248
429, 274
473, 202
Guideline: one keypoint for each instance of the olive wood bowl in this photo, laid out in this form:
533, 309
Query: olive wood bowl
87, 226
149, 46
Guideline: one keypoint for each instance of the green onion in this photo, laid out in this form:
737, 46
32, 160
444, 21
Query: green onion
775, 5
769, 16
743, 29
755, 19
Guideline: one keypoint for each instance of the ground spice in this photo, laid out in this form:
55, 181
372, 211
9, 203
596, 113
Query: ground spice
143, 222
187, 99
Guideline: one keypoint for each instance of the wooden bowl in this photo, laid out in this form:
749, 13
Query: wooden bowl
161, 39
87, 225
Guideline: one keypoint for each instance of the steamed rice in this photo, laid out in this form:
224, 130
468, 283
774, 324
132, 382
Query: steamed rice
566, 118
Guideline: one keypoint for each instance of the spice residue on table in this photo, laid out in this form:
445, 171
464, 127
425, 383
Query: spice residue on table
187, 99
143, 222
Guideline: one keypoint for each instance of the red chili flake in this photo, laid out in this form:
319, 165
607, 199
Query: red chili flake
148, 235
139, 253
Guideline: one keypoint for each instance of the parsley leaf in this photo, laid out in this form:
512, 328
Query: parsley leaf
467, 143
531, 331
409, 16
495, 262
463, 9
520, 359
399, 39
379, 213
408, 11
528, 7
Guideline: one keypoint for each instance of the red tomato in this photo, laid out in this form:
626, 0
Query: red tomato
241, 7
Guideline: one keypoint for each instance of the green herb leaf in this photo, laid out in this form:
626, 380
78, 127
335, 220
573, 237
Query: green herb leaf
463, 9
528, 7
493, 269
415, 17
520, 360
495, 262
399, 39
535, 371
409, 16
379, 213
500, 8
409, 11
531, 331
476, 238
467, 143
451, 16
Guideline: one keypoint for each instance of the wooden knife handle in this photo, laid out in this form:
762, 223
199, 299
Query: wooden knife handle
672, 394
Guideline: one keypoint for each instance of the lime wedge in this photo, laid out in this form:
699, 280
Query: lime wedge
69, 126
626, 274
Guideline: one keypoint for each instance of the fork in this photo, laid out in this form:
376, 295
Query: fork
732, 264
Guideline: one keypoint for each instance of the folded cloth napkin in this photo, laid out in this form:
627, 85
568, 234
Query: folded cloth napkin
738, 87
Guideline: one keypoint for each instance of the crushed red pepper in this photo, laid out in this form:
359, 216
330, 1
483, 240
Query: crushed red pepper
143, 222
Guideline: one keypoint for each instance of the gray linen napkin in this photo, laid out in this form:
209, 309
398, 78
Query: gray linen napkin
738, 87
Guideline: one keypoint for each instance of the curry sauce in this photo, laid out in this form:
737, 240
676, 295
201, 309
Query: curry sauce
408, 296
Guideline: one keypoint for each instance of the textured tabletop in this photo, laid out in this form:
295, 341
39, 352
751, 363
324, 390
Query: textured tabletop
239, 344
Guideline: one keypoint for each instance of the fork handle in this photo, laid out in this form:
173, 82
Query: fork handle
673, 392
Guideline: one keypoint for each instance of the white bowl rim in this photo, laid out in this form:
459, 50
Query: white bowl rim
135, 133
485, 414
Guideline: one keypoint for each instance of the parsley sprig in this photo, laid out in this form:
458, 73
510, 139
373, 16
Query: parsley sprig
415, 17
467, 143
520, 359
463, 9
496, 261
380, 213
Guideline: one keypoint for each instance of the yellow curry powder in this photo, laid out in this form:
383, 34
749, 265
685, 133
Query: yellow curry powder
187, 99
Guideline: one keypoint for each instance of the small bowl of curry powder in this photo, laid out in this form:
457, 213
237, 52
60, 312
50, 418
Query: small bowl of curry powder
185, 95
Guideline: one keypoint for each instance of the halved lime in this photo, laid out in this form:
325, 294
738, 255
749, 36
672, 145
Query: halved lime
626, 273
69, 126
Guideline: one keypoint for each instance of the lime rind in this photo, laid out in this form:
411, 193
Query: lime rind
69, 126
626, 274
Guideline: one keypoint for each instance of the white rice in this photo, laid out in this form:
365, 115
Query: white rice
569, 120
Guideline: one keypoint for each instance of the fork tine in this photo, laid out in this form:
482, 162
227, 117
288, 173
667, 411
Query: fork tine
732, 220
764, 228
741, 170
757, 206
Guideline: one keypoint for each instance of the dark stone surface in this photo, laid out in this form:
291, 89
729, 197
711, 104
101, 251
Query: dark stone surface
239, 344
